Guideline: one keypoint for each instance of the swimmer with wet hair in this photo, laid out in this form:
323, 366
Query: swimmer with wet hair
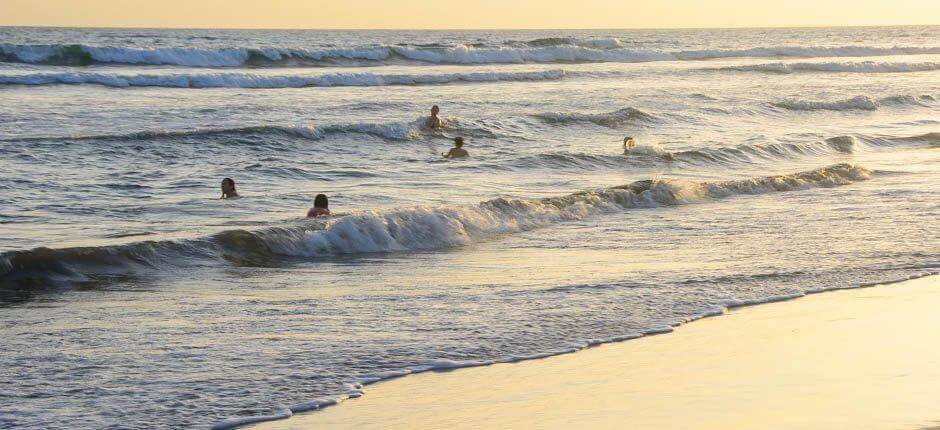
321, 207
434, 122
457, 151
228, 189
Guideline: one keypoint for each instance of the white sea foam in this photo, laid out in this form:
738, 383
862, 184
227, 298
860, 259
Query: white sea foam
445, 227
861, 102
602, 43
648, 149
243, 421
249, 80
442, 364
567, 50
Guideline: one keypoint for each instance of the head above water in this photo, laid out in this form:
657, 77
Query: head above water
228, 187
321, 201
629, 142
458, 141
435, 110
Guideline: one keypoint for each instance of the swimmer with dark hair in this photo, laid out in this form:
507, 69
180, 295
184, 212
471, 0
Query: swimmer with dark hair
457, 151
228, 189
434, 122
321, 207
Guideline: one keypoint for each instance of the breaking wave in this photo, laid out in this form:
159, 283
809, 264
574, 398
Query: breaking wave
419, 228
551, 50
249, 80
847, 67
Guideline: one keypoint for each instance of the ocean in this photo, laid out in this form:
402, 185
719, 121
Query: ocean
770, 164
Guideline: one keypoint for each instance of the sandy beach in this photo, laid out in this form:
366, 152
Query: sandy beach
852, 359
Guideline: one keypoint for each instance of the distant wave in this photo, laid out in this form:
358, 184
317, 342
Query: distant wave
845, 144
403, 130
553, 50
249, 80
853, 103
391, 131
645, 154
843, 67
418, 228
598, 42
607, 119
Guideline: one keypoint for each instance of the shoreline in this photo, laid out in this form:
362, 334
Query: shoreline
380, 388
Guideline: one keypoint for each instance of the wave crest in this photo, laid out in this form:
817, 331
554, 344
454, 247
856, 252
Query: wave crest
607, 119
549, 50
249, 80
861, 102
418, 228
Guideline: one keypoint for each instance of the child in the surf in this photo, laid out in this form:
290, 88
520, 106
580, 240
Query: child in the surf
321, 207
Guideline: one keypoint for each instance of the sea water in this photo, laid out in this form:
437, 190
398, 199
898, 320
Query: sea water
769, 164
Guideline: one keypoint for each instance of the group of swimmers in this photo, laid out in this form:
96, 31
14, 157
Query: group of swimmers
435, 122
321, 203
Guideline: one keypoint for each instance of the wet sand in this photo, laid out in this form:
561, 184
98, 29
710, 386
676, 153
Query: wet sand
854, 359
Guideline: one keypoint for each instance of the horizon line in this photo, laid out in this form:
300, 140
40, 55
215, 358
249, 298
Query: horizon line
781, 27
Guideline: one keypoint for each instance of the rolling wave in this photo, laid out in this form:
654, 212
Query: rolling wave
843, 67
553, 50
396, 131
854, 103
598, 42
249, 80
646, 154
418, 228
390, 131
607, 119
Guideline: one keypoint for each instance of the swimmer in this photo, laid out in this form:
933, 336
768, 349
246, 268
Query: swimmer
321, 207
457, 151
434, 122
628, 144
228, 189
650, 150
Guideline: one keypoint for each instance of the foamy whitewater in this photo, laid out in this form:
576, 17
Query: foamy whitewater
769, 164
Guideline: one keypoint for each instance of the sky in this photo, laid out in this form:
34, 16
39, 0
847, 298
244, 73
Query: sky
466, 14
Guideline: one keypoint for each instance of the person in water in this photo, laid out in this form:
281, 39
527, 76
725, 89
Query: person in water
457, 151
630, 148
434, 122
228, 189
628, 144
321, 207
